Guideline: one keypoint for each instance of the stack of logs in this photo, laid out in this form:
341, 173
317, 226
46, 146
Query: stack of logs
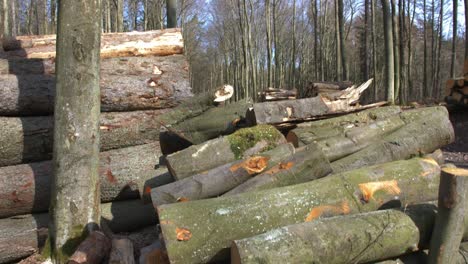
144, 80
456, 90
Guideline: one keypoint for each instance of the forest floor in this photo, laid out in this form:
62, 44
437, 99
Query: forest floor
457, 152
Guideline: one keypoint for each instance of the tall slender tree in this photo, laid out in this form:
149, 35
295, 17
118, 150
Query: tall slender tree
75, 198
396, 52
268, 36
454, 38
389, 57
171, 13
342, 39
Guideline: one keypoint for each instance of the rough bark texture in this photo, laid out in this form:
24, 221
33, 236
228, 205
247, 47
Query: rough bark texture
243, 143
214, 223
453, 207
21, 42
122, 252
272, 94
423, 133
123, 173
220, 179
126, 84
305, 165
357, 238
93, 250
314, 88
157, 42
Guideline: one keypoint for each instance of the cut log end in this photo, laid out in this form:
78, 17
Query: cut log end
458, 172
235, 254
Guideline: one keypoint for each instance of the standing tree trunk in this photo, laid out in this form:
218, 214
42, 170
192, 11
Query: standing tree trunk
396, 52
339, 61
75, 199
268, 36
424, 88
6, 29
389, 59
466, 30
53, 16
171, 13
342, 40
454, 39
374, 53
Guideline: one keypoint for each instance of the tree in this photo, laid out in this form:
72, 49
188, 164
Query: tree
75, 198
389, 57
342, 40
454, 38
171, 13
268, 36
6, 29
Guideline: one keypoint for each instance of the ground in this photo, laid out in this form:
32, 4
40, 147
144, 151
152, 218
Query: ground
457, 152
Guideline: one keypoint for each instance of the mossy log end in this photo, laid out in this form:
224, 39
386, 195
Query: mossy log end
305, 165
221, 179
359, 238
213, 153
94, 249
453, 207
214, 223
123, 174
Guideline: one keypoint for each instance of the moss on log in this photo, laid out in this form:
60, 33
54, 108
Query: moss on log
213, 153
94, 249
305, 165
221, 179
214, 223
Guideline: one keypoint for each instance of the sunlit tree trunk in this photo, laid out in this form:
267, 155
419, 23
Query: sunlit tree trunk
389, 56
454, 38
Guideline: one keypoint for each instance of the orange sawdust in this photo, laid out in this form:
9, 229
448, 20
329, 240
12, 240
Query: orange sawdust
252, 165
340, 209
370, 188
182, 199
183, 234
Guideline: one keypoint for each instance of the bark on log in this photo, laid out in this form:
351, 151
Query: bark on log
303, 109
216, 152
127, 84
272, 94
214, 122
214, 223
93, 250
158, 42
122, 252
314, 88
305, 165
23, 235
124, 173
221, 179
423, 133
357, 238
453, 206
21, 42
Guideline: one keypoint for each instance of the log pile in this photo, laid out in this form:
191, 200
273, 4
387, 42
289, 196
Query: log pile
272, 94
456, 90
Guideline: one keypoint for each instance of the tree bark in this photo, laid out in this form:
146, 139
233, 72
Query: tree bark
123, 173
171, 13
314, 88
29, 41
240, 216
450, 221
405, 142
454, 39
93, 250
216, 152
75, 197
126, 84
155, 43
122, 252
389, 56
221, 179
307, 164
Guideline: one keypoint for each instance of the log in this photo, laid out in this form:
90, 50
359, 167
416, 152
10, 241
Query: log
216, 152
121, 252
423, 133
305, 165
450, 221
214, 223
148, 83
124, 173
221, 179
272, 94
158, 42
21, 42
303, 109
214, 122
93, 250
360, 238
314, 88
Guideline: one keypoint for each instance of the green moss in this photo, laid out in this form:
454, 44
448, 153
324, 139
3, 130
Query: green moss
246, 138
78, 234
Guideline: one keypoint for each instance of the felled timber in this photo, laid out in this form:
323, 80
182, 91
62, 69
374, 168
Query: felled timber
216, 152
314, 88
21, 42
23, 235
158, 42
309, 132
360, 238
272, 94
304, 109
123, 175
423, 133
221, 179
305, 165
127, 84
121, 252
214, 223
93, 250
450, 225
214, 122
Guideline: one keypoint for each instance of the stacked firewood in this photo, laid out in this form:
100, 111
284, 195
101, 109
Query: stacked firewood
144, 80
274, 94
457, 89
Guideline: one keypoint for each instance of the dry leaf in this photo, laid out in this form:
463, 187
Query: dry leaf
183, 234
330, 210
368, 189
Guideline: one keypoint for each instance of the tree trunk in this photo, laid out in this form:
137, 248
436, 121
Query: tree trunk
374, 50
243, 143
269, 49
389, 56
171, 13
122, 252
307, 164
221, 179
405, 142
75, 196
454, 39
6, 28
244, 215
342, 40
396, 52
361, 238
450, 224
93, 250
156, 43
123, 173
